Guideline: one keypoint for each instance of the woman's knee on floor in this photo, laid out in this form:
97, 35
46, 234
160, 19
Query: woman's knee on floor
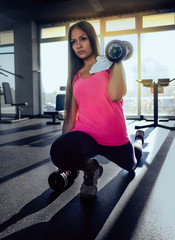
122, 155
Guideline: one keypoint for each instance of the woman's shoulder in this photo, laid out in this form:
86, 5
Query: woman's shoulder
76, 77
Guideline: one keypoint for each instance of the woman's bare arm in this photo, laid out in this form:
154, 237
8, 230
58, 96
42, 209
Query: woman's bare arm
69, 123
117, 85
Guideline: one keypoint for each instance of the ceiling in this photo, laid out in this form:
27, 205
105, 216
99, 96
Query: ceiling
51, 11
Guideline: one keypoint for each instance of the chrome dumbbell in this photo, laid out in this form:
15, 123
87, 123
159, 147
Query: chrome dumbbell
117, 50
60, 179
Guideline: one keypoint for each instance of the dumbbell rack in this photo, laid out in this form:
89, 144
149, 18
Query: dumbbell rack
161, 83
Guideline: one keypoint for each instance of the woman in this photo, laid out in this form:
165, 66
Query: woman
94, 121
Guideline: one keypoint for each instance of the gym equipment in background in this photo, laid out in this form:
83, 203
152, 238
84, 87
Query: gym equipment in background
9, 100
163, 82
58, 113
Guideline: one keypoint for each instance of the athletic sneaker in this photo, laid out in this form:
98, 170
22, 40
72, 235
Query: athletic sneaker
138, 144
140, 136
89, 186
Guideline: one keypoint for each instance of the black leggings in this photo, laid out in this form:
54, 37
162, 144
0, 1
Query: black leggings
72, 150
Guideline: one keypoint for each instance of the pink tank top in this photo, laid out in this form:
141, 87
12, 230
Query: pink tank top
98, 116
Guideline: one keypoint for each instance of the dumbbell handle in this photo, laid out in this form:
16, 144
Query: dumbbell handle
117, 50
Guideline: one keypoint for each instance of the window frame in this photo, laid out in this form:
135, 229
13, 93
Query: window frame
139, 29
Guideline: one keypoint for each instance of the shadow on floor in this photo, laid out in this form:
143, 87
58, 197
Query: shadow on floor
17, 129
39, 140
83, 219
24, 170
133, 210
79, 219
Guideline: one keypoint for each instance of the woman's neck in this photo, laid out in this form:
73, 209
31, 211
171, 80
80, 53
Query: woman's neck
89, 62
84, 71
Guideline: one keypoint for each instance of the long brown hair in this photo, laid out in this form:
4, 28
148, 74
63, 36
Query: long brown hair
74, 62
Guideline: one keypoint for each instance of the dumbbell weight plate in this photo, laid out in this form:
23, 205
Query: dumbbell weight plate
115, 50
129, 50
57, 181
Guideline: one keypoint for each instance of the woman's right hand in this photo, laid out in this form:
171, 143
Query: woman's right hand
68, 124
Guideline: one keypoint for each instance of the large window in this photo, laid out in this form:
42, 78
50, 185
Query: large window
54, 71
53, 32
152, 37
7, 68
157, 20
120, 24
157, 61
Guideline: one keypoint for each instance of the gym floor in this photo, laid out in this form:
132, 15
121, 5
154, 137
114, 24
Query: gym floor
135, 207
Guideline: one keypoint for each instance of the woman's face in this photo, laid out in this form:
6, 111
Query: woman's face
81, 44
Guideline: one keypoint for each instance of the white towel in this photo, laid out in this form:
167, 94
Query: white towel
103, 63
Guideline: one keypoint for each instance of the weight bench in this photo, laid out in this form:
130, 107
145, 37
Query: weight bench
9, 100
58, 113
